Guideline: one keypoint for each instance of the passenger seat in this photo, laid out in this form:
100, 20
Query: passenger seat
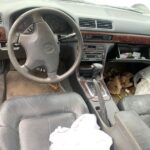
138, 103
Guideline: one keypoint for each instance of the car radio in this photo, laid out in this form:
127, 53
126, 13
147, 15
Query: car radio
93, 52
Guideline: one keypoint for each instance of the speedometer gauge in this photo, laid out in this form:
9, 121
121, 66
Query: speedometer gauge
25, 24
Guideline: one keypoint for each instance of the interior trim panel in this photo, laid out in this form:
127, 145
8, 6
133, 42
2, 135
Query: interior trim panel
2, 34
110, 37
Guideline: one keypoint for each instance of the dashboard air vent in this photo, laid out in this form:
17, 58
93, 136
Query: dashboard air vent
104, 24
86, 22
0, 19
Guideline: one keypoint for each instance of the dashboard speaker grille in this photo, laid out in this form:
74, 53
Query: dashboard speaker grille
85, 22
104, 24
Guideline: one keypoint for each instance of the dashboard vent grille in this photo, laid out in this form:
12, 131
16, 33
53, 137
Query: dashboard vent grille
0, 19
85, 22
104, 24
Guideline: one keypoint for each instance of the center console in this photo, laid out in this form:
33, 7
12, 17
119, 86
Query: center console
121, 126
92, 53
95, 53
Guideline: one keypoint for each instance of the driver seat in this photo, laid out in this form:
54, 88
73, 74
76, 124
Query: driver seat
26, 122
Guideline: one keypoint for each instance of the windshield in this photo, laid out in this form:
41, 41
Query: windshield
127, 3
139, 5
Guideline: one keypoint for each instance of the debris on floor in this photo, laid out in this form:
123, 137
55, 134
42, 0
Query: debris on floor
17, 85
114, 85
54, 87
126, 80
120, 84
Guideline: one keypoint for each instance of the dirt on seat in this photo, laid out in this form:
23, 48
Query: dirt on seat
17, 85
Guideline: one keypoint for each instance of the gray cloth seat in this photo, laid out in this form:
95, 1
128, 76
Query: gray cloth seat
26, 122
138, 103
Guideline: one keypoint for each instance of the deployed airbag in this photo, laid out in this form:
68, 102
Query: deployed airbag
84, 134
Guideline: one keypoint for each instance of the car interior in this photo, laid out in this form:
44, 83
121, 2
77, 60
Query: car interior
61, 59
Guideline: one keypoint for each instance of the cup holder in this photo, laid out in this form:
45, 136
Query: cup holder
97, 108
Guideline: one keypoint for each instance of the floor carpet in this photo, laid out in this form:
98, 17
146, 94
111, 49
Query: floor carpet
17, 85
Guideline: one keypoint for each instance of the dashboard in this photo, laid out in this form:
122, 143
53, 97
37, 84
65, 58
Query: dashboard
98, 24
89, 17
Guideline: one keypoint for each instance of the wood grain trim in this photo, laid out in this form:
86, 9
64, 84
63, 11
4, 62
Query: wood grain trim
2, 34
121, 38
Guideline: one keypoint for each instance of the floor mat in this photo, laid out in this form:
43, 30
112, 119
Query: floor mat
17, 85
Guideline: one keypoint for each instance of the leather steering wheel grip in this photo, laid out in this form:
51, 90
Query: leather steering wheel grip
34, 43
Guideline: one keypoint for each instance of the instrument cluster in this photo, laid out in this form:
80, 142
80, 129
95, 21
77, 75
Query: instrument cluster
56, 23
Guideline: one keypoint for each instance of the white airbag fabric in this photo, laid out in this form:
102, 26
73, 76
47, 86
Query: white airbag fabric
84, 134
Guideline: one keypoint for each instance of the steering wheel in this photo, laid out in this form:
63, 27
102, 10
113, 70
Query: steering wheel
42, 46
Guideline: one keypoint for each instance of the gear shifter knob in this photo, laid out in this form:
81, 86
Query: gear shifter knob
97, 70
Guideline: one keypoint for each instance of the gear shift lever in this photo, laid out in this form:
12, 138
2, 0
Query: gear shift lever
97, 70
